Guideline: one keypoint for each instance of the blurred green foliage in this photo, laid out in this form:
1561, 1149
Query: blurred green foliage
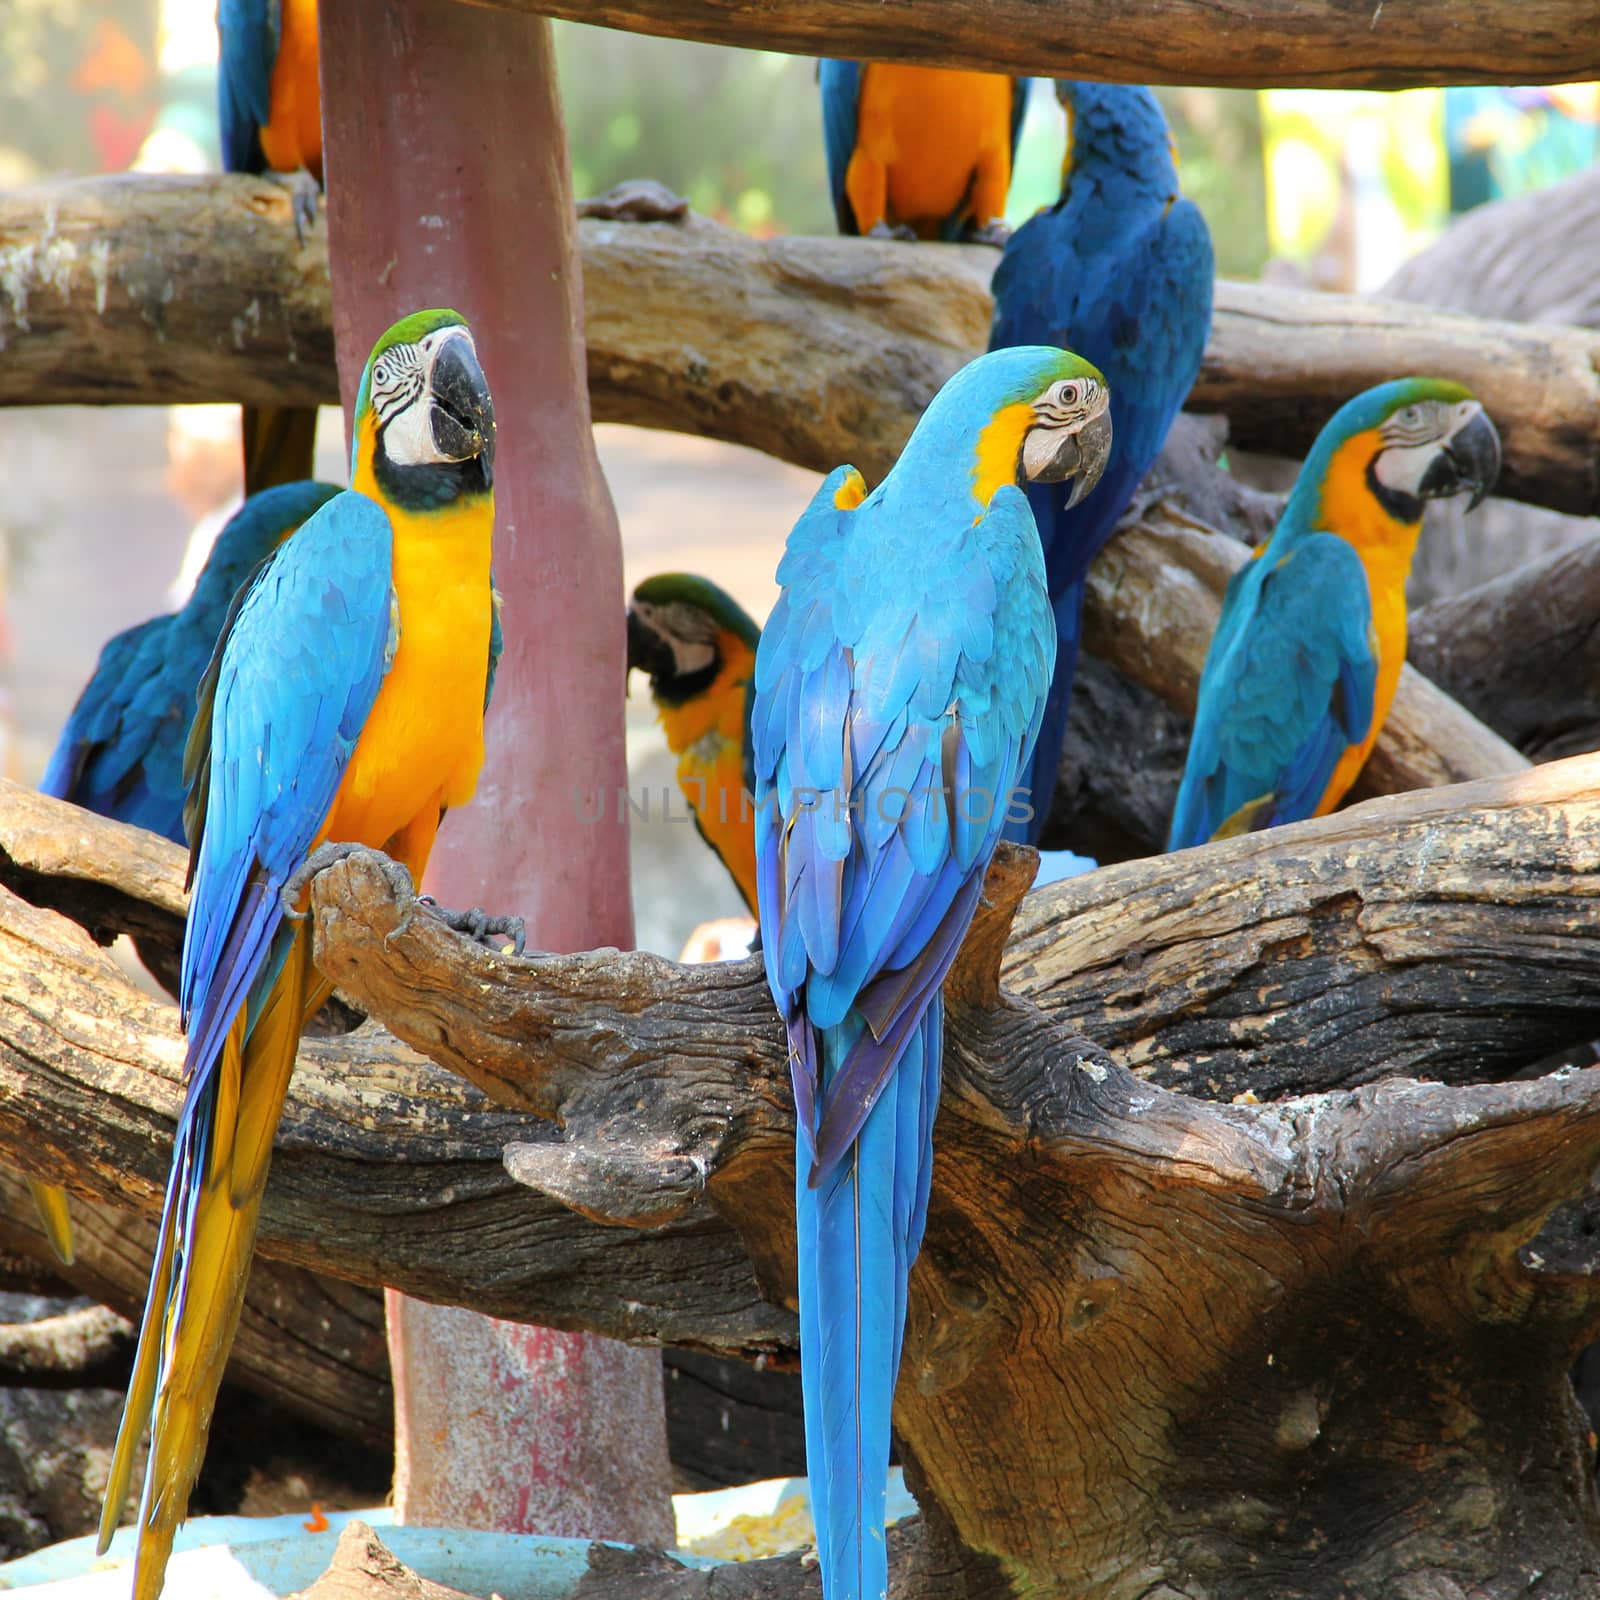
1218, 134
739, 132
78, 85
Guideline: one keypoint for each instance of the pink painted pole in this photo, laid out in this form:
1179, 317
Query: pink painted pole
448, 184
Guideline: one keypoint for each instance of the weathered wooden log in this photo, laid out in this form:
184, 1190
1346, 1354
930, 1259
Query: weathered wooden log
365, 1568
91, 1346
309, 1343
1523, 652
1527, 258
1281, 361
1316, 44
651, 1188
171, 290
314, 1345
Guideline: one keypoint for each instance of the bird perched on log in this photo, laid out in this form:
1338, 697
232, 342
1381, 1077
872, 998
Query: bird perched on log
343, 707
920, 152
697, 645
1307, 654
269, 113
899, 685
121, 752
1120, 269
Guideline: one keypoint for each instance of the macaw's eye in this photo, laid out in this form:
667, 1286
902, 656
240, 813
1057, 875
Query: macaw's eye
1411, 414
1069, 393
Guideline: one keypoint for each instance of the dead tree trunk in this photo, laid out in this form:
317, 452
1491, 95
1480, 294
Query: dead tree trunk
1523, 652
1158, 1344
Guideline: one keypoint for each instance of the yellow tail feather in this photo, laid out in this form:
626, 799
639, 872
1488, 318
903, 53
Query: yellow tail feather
51, 1204
198, 1283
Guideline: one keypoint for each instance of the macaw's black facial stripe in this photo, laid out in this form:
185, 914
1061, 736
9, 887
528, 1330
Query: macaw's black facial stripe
1403, 507
428, 487
671, 691
396, 381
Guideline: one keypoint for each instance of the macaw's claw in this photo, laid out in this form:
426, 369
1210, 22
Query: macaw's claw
882, 230
493, 933
305, 195
991, 233
326, 855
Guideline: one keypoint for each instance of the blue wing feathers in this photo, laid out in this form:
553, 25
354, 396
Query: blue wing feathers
841, 95
298, 675
886, 672
1122, 274
247, 49
121, 752
1288, 687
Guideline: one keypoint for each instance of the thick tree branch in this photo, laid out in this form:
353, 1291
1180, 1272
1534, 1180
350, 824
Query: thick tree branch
310, 1343
1523, 652
171, 290
1333, 1244
91, 1346
1332, 952
1314, 957
1316, 44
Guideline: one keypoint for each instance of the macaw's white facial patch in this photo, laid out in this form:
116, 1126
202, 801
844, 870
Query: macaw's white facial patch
689, 632
1071, 436
1413, 437
403, 397
1039, 448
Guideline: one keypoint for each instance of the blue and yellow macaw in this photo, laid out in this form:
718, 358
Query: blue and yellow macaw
121, 752
697, 645
344, 706
920, 152
1120, 270
899, 685
269, 111
1303, 666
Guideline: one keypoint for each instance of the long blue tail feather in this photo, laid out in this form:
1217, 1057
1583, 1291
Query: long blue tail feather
859, 1232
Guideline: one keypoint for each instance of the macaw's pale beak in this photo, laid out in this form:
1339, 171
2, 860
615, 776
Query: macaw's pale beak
1052, 455
1470, 459
463, 412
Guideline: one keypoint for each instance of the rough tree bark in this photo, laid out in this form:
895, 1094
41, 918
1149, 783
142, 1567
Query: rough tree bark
1318, 44
311, 1343
815, 350
1355, 1382
1529, 258
1523, 652
500, 1425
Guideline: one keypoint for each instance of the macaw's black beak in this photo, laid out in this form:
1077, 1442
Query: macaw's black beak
648, 652
463, 412
1080, 454
1470, 459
